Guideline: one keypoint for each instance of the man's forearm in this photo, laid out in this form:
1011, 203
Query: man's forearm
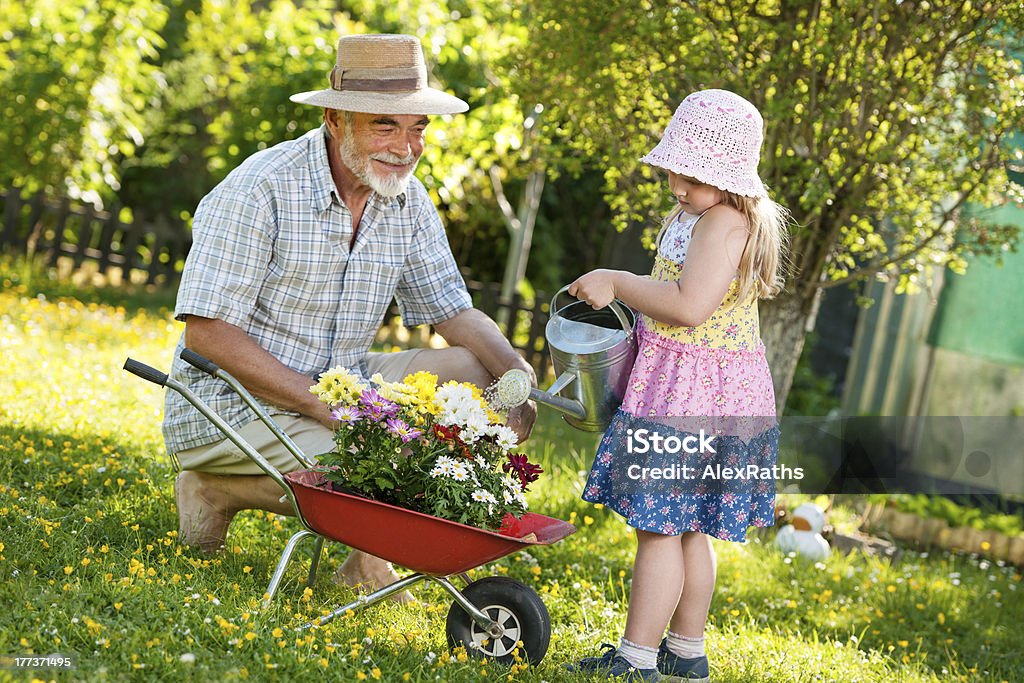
261, 373
474, 330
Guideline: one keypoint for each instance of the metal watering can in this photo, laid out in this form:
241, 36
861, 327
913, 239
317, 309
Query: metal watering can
592, 352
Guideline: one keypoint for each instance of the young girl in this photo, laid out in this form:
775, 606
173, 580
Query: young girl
700, 363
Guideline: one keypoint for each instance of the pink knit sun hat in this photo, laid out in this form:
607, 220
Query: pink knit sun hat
715, 136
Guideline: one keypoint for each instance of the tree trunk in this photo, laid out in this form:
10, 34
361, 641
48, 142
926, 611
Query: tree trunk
785, 321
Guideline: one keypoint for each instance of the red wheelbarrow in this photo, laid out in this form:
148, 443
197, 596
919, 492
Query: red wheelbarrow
490, 617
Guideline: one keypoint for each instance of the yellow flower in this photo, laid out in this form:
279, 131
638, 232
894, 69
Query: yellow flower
425, 385
399, 392
337, 385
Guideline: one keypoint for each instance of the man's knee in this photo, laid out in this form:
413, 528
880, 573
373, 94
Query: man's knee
454, 363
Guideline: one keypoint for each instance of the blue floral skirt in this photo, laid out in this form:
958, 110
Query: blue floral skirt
666, 476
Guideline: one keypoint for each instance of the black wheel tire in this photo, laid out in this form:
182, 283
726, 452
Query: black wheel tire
514, 605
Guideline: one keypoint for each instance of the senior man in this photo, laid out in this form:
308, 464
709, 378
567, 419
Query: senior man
296, 256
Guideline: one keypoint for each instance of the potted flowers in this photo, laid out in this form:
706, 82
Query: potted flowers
436, 450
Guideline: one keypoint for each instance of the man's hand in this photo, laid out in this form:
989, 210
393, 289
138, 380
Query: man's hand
521, 419
476, 332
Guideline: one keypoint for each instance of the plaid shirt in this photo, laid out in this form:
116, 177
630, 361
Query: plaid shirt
270, 255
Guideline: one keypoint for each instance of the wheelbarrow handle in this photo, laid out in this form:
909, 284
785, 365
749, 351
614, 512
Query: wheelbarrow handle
145, 372
150, 374
200, 362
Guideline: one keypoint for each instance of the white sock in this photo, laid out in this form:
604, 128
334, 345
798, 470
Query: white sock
687, 648
637, 655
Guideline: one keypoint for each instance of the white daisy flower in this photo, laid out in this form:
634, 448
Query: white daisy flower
471, 434
444, 466
504, 437
482, 496
513, 491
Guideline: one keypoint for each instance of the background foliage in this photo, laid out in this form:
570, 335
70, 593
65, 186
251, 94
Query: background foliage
883, 119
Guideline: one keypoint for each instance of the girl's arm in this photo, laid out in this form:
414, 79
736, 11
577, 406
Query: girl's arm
719, 238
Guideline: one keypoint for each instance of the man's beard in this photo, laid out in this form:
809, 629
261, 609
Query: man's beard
361, 165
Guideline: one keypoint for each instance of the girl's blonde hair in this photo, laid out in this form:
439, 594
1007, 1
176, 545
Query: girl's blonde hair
764, 264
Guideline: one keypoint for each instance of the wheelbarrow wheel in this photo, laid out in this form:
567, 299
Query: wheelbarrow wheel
519, 610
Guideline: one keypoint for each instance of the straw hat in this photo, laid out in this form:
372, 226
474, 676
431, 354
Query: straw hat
381, 74
715, 136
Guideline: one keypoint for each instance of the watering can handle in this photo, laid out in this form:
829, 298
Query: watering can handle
615, 305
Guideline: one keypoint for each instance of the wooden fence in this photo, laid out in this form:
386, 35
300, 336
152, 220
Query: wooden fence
59, 230
52, 228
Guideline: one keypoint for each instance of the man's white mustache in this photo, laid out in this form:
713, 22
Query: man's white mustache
393, 159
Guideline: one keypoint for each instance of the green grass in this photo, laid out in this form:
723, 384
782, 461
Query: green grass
89, 561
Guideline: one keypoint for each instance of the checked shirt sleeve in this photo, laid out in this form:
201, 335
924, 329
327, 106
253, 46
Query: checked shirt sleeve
227, 264
431, 289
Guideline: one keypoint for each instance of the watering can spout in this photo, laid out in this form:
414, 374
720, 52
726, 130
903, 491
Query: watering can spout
569, 406
513, 389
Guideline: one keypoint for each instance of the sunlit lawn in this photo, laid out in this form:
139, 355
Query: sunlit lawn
89, 561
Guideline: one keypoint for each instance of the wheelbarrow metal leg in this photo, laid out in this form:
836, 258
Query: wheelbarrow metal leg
282, 564
318, 551
369, 599
493, 628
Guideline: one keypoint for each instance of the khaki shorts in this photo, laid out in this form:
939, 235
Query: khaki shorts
312, 438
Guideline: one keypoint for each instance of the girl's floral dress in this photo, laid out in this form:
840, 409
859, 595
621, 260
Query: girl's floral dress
714, 378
